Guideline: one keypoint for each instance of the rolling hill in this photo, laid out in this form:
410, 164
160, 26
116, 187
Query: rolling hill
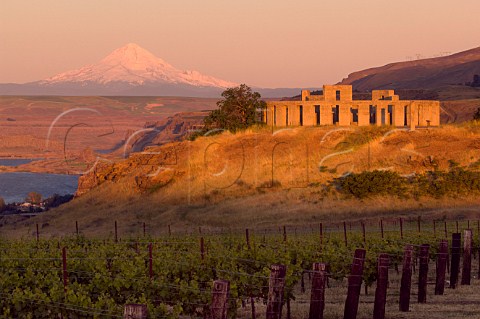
433, 73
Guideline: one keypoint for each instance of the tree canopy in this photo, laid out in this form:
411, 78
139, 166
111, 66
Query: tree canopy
33, 198
238, 109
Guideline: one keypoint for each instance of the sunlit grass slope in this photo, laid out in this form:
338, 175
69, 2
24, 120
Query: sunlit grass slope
261, 177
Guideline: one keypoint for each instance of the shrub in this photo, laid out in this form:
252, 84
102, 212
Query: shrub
56, 200
457, 181
367, 184
476, 115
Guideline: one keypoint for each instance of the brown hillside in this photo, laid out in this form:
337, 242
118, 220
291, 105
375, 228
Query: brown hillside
259, 178
240, 164
430, 73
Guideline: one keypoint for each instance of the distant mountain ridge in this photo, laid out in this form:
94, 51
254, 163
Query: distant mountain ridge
129, 70
136, 66
132, 71
433, 73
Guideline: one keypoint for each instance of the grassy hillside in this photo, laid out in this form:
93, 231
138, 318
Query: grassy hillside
260, 178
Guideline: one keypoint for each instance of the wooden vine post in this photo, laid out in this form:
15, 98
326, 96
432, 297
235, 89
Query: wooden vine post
276, 287
317, 297
382, 284
354, 285
220, 294
116, 232
455, 267
442, 257
467, 257
135, 311
363, 233
247, 238
401, 228
381, 227
423, 273
406, 281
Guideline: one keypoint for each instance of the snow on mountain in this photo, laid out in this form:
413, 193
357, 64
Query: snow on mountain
136, 66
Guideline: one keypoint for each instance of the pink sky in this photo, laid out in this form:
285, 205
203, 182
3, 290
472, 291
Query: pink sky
267, 43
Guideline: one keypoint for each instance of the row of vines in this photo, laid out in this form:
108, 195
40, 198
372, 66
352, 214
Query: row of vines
173, 275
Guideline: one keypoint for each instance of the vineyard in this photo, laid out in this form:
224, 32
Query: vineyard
173, 275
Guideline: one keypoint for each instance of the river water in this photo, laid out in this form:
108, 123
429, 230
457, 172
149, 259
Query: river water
15, 186
16, 161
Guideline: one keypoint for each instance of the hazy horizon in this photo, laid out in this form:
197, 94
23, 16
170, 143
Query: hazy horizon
264, 44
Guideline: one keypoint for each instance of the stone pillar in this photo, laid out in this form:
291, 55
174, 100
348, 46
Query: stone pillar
305, 95
411, 112
363, 115
326, 115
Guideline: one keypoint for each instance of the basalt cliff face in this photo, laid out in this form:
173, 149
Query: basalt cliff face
172, 129
142, 152
140, 172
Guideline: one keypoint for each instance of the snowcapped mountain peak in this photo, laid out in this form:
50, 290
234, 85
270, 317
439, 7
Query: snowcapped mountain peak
134, 56
136, 66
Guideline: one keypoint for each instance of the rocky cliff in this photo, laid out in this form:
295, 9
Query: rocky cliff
141, 157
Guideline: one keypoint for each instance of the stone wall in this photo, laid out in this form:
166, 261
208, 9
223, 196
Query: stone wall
336, 107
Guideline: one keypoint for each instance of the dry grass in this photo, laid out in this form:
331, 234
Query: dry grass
301, 157
260, 178
96, 215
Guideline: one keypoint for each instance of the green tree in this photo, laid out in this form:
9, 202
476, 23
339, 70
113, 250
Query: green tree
2, 205
34, 198
238, 110
476, 115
